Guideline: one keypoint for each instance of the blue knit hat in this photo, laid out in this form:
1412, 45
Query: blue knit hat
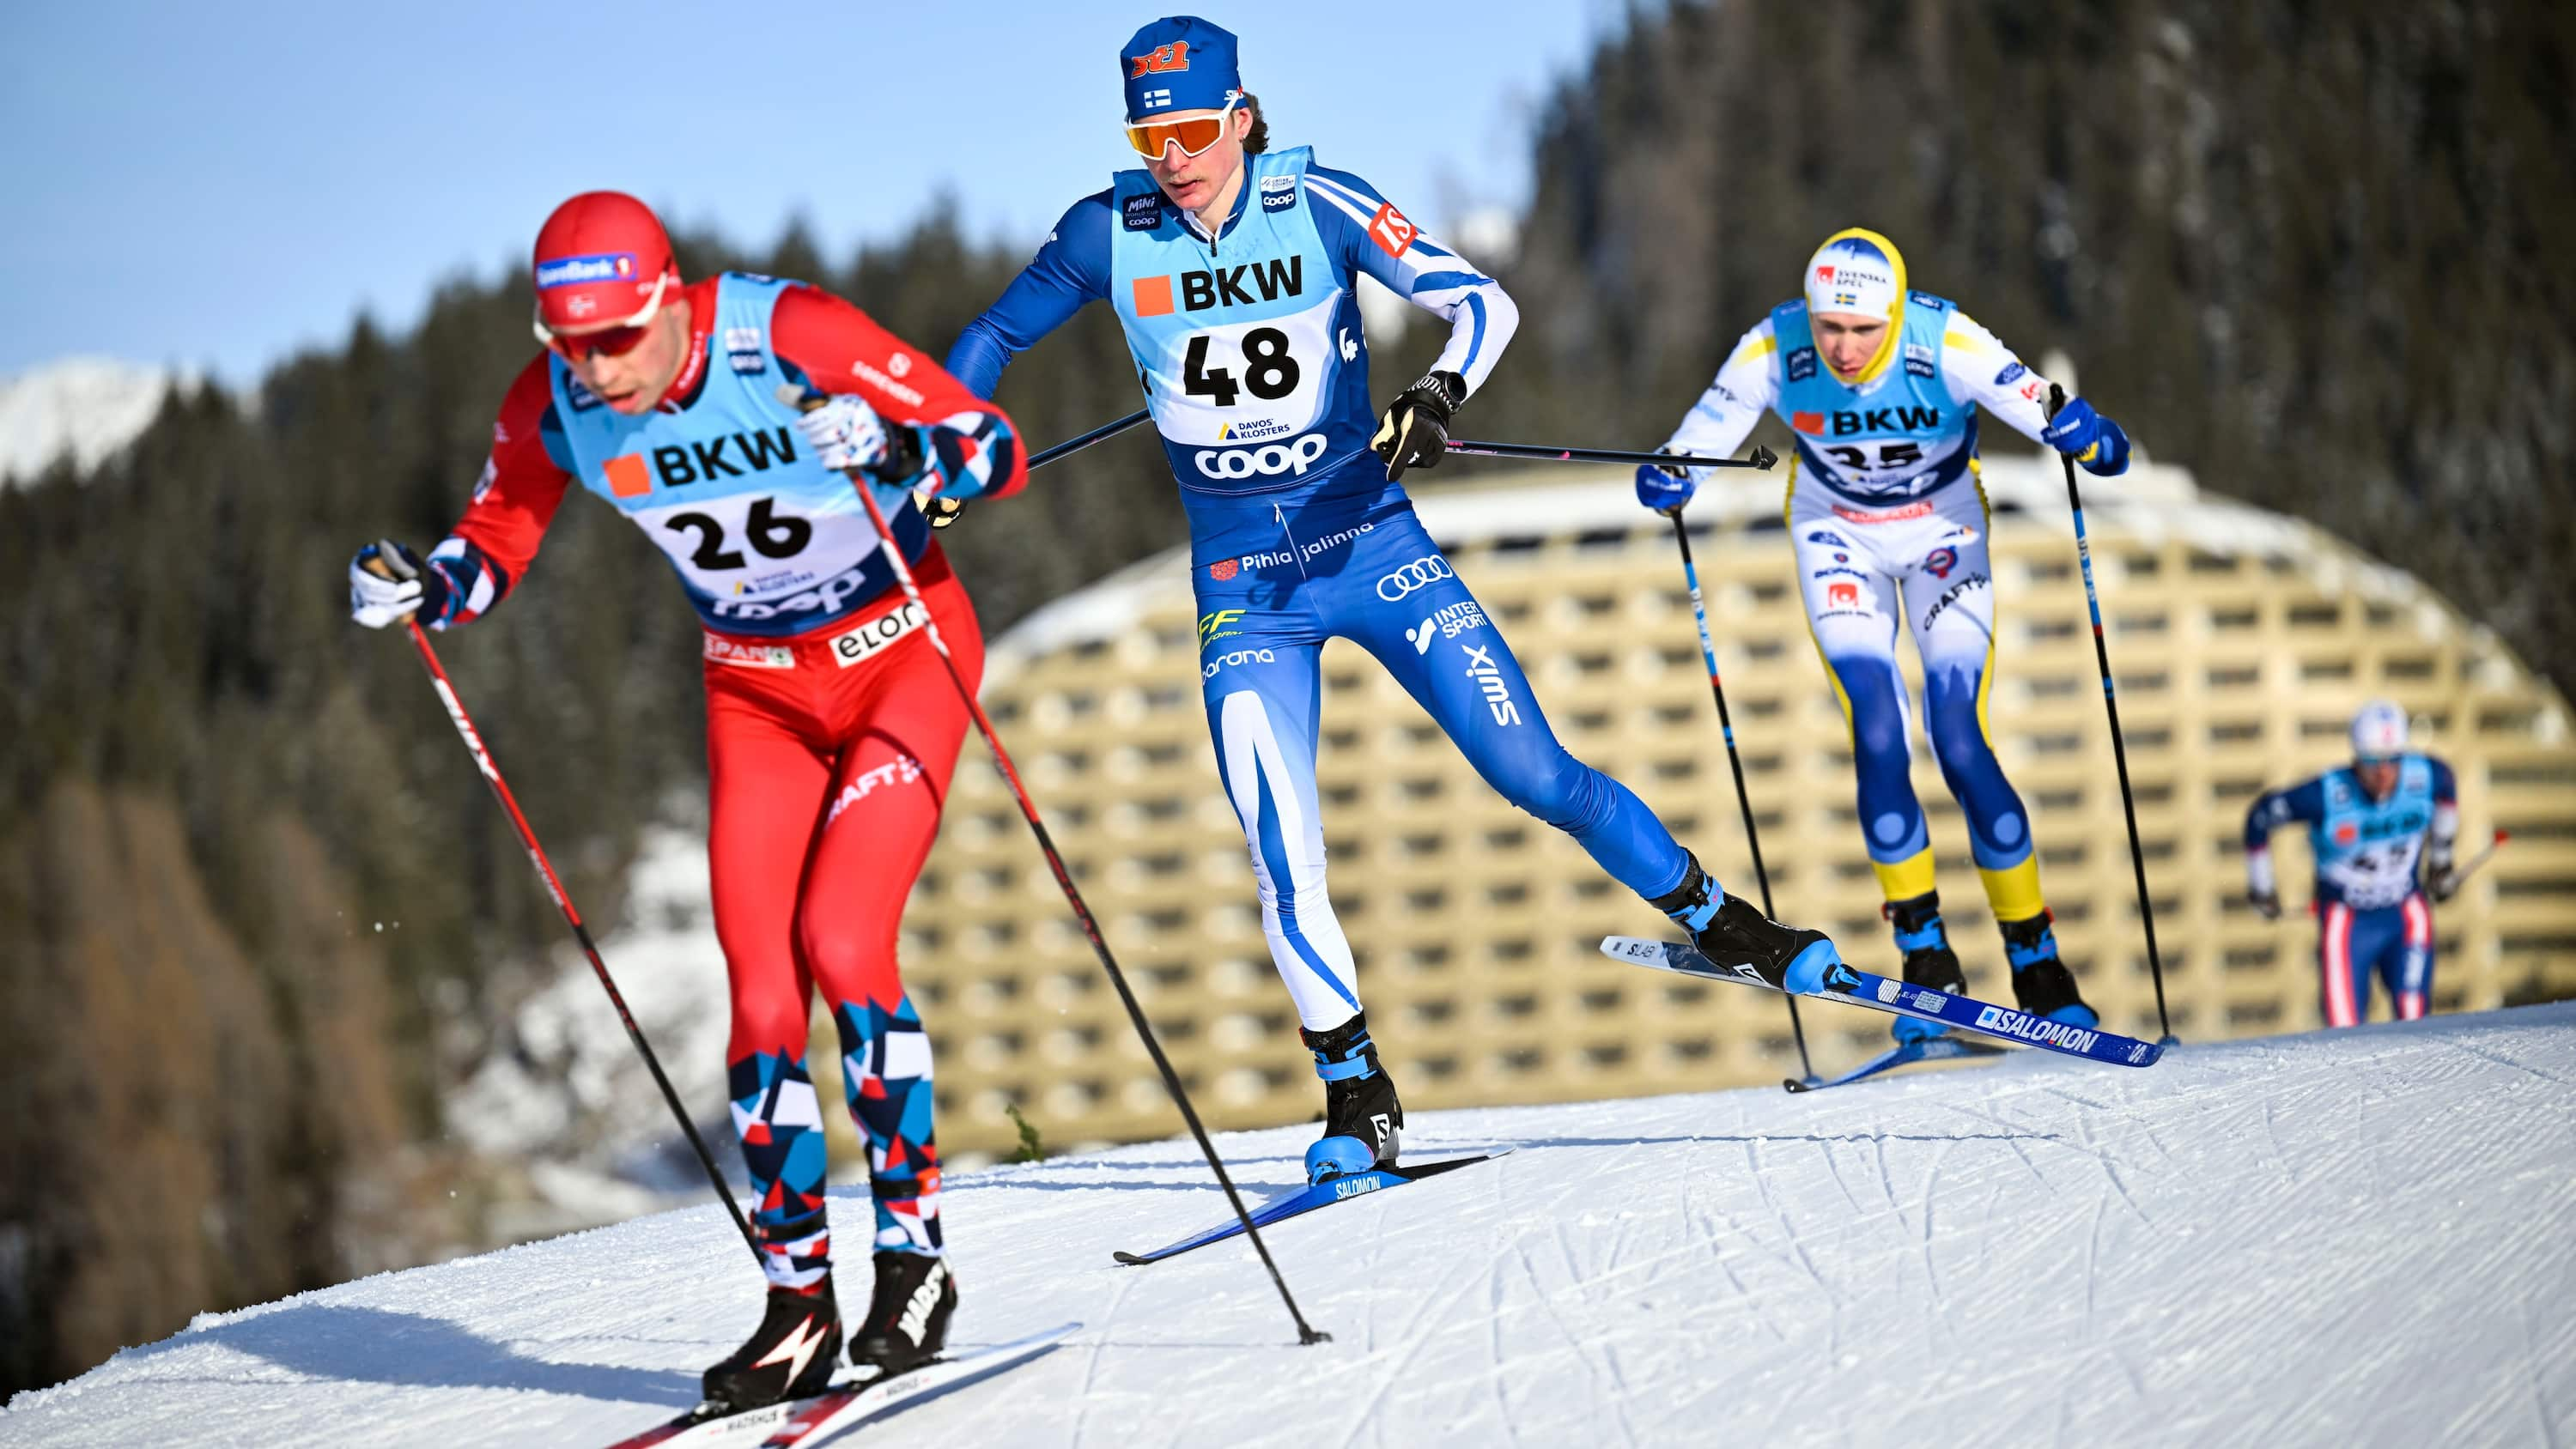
1178, 63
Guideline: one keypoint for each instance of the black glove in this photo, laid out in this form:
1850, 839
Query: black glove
2441, 872
2267, 904
944, 511
1415, 429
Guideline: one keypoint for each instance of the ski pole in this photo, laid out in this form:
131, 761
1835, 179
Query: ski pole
944, 511
1762, 457
805, 401
2461, 873
456, 715
2111, 704
1726, 727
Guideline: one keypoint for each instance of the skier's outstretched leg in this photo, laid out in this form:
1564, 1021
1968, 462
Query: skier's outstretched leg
1450, 656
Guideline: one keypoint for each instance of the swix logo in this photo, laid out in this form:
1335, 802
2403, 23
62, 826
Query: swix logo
1842, 596
902, 770
465, 727
915, 1323
1162, 58
1391, 231
796, 1349
1223, 287
1849, 421
736, 455
1294, 457
1489, 677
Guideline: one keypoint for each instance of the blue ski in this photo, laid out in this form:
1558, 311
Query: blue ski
1934, 1049
1306, 1199
1848, 984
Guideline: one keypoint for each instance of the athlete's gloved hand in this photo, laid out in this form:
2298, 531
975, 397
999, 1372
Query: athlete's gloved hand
846, 433
388, 583
1664, 488
2267, 904
2089, 438
2441, 871
1415, 430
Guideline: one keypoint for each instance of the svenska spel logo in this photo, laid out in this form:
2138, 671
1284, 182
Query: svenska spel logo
577, 271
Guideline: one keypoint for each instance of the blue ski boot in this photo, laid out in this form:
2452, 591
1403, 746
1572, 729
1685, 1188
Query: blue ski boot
1732, 933
1363, 1121
2042, 986
1929, 961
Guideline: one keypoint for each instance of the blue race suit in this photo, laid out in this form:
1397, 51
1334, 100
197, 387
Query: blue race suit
2371, 911
1254, 362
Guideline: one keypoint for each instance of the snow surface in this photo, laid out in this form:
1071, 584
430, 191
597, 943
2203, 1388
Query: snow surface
87, 407
2348, 1238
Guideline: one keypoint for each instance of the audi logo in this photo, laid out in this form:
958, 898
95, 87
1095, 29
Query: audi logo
1294, 456
1422, 573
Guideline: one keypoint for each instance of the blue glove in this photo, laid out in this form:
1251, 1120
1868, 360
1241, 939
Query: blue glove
1664, 489
2089, 438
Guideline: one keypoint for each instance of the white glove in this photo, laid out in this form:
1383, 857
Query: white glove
845, 433
385, 584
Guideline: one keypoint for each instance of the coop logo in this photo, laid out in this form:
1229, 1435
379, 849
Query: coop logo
1143, 213
1489, 678
2006, 1022
1918, 360
1295, 457
1278, 193
824, 598
575, 271
1422, 573
1240, 656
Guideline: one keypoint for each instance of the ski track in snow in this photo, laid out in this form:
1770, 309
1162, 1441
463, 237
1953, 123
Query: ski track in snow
2357, 1238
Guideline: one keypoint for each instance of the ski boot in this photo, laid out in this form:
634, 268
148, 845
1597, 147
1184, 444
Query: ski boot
1929, 961
2042, 986
1733, 935
1363, 1121
907, 1322
790, 1356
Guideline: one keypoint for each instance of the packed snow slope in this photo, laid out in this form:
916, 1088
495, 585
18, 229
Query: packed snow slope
2359, 1238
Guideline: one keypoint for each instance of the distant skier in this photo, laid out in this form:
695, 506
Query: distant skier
2371, 823
1881, 387
831, 727
1234, 271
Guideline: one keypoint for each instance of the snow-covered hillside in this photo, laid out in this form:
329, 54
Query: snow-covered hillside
87, 407
2361, 1238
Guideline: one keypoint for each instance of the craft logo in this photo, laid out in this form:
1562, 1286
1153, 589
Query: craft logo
1162, 58
1966, 585
902, 769
576, 271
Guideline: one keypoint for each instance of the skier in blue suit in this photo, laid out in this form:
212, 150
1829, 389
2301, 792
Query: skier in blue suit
1234, 269
2372, 823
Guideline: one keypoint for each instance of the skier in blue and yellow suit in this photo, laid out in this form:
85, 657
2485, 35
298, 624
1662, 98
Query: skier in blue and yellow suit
1881, 386
1234, 271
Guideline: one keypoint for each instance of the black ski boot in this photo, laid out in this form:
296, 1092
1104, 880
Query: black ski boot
1733, 935
1929, 961
1363, 1121
791, 1355
2042, 986
907, 1322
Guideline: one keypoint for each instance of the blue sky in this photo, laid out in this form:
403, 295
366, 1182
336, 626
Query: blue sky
217, 186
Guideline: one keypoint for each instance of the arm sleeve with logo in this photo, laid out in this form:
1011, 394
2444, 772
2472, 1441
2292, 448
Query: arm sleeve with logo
1365, 232
2270, 811
1070, 270
837, 348
1979, 369
1745, 388
522, 484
